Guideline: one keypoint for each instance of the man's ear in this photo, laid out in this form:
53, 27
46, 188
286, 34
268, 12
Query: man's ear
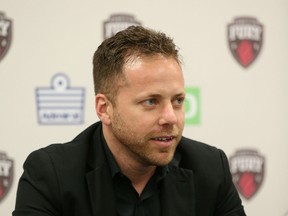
103, 108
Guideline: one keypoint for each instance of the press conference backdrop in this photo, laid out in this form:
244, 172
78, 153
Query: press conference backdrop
235, 56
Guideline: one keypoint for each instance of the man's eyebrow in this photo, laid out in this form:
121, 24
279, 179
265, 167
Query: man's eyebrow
181, 94
156, 95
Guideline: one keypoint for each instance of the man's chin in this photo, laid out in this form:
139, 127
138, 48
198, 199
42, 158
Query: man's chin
163, 159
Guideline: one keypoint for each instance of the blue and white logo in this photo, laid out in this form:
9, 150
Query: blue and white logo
60, 103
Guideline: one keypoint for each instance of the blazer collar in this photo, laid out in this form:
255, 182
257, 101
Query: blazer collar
178, 192
98, 178
101, 191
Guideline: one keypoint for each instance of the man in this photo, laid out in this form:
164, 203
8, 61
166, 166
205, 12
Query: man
134, 161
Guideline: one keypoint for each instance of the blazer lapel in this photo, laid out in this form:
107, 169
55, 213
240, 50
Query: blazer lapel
178, 194
101, 192
99, 179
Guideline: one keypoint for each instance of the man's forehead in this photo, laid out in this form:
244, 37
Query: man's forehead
137, 59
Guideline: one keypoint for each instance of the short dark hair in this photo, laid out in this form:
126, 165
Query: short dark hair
111, 56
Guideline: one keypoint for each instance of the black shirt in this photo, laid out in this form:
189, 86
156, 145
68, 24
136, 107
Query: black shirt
128, 201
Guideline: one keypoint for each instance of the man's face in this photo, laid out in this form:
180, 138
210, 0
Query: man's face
148, 119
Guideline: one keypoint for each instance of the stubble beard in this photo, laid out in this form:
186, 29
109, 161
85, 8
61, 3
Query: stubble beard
138, 147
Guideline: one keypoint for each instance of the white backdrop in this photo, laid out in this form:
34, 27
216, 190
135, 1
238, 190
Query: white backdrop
238, 108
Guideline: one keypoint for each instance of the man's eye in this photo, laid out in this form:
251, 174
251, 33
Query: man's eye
180, 100
150, 102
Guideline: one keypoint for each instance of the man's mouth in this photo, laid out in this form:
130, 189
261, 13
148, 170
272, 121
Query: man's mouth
164, 139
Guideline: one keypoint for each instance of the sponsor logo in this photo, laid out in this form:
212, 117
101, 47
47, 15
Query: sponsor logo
247, 169
192, 106
245, 37
118, 22
5, 35
6, 174
60, 103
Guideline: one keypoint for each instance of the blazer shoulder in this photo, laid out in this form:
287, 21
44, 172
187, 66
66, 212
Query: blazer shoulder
66, 153
194, 146
199, 155
82, 139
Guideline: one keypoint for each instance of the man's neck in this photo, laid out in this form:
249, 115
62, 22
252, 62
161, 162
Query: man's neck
139, 176
138, 172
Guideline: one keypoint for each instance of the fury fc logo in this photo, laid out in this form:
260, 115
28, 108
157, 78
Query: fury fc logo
245, 36
6, 174
247, 169
5, 35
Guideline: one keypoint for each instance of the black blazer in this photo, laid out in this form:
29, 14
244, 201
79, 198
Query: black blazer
74, 179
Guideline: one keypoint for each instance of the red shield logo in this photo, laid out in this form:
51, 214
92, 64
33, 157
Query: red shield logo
5, 35
245, 36
118, 22
6, 174
247, 169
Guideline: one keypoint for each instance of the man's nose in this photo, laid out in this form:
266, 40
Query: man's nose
168, 115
